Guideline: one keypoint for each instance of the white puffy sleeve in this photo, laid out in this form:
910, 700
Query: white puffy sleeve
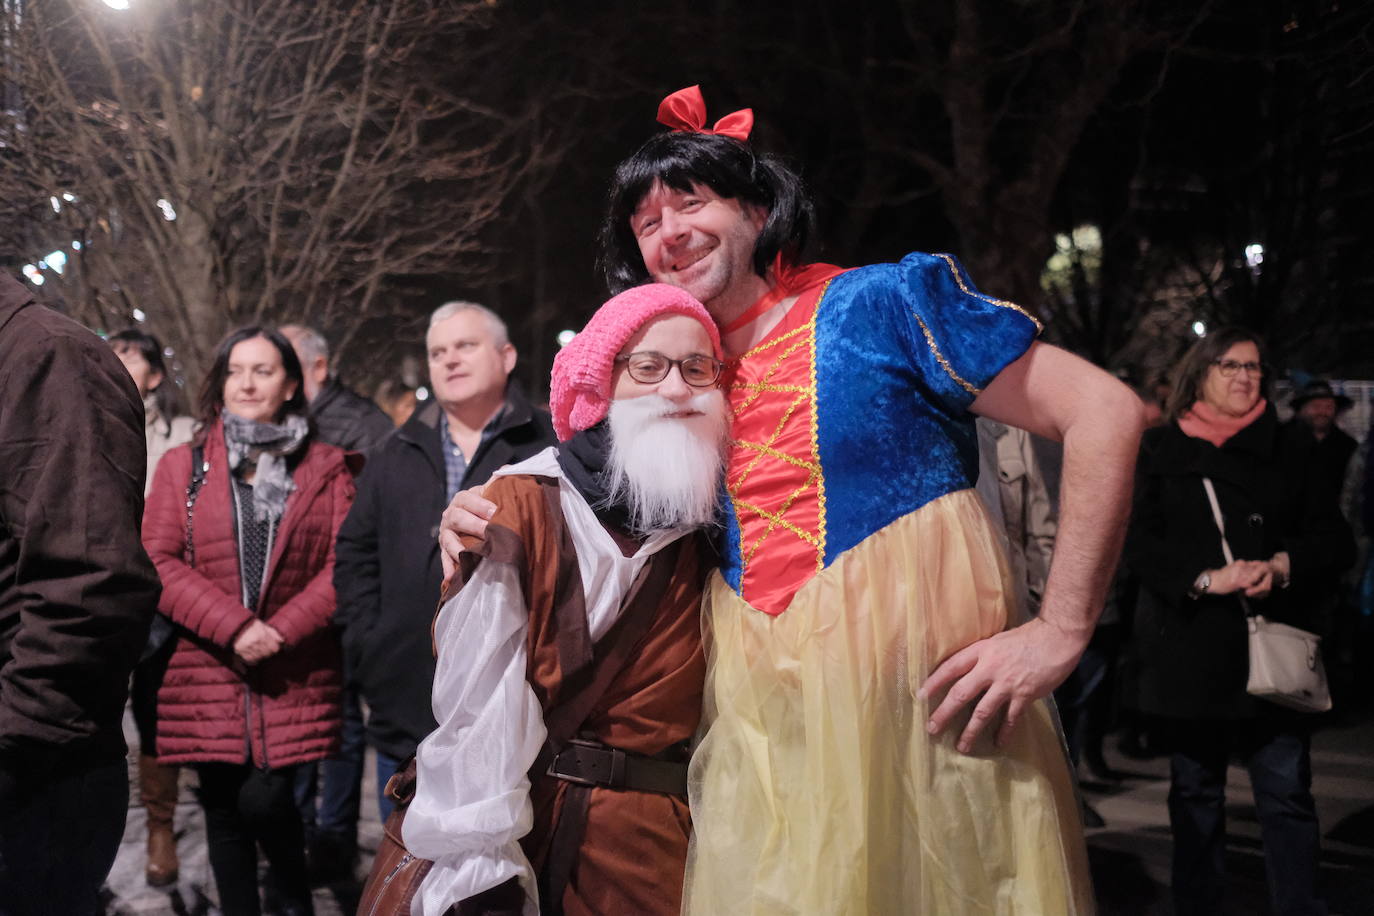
472, 803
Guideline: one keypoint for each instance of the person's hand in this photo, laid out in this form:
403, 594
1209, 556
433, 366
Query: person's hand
1242, 576
467, 514
1263, 585
257, 642
1009, 671
1282, 566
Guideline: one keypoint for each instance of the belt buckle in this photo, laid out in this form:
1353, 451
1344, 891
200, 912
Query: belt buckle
615, 779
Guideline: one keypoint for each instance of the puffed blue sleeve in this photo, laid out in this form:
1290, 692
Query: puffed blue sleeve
958, 339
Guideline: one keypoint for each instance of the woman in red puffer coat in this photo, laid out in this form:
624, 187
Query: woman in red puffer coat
252, 689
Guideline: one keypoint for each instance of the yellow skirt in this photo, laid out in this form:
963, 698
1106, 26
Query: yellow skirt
816, 790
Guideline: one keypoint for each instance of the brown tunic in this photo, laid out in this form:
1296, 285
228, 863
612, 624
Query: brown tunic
634, 849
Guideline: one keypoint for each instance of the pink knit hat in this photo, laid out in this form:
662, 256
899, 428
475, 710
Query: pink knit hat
580, 391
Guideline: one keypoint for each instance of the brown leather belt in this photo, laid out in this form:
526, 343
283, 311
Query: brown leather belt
590, 763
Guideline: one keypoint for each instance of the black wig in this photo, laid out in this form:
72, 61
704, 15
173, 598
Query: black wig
680, 159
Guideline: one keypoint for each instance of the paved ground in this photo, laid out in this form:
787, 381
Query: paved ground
1130, 855
194, 895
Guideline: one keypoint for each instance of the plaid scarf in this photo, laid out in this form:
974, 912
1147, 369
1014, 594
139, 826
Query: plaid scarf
264, 446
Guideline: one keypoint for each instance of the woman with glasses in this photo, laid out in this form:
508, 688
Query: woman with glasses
1190, 631
241, 524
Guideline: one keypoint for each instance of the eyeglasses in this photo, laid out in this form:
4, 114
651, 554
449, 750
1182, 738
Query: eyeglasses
650, 368
1229, 367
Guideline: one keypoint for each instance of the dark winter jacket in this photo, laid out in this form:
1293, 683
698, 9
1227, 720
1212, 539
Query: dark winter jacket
1330, 456
212, 707
347, 419
1367, 490
388, 571
76, 588
1192, 652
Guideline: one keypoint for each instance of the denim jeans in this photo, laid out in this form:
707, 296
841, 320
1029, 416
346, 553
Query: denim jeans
1280, 765
338, 781
386, 767
58, 839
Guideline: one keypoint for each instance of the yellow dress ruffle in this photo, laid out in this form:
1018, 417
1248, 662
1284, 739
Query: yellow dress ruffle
816, 790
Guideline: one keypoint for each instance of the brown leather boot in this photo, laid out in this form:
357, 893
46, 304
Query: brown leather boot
158, 786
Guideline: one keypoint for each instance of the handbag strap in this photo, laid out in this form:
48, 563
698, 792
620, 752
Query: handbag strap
1221, 529
199, 468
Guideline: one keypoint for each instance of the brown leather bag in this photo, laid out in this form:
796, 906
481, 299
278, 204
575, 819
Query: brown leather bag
396, 872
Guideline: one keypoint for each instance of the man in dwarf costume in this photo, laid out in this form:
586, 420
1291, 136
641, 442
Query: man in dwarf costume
862, 657
586, 589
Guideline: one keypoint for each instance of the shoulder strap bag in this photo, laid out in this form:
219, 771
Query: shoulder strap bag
161, 630
1285, 662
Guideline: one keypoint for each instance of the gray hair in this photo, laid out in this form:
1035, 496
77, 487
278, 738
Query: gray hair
310, 342
499, 335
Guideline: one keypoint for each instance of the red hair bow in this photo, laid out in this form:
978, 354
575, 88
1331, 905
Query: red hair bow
686, 110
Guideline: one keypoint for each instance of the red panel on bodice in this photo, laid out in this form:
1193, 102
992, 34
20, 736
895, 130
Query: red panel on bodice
774, 477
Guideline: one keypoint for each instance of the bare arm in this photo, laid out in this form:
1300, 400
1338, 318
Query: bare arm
1057, 395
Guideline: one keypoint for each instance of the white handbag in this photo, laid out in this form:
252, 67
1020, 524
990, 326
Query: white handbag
1285, 662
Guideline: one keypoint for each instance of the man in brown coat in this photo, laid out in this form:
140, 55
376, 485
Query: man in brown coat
77, 592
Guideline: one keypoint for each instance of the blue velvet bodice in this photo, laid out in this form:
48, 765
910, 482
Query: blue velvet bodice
900, 351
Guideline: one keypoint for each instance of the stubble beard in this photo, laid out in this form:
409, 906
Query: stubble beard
724, 285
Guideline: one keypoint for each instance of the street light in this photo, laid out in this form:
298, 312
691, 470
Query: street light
1200, 328
117, 4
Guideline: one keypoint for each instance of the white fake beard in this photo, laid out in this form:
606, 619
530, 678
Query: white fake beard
667, 470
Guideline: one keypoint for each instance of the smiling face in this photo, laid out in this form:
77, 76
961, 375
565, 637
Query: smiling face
1236, 395
255, 383
466, 365
701, 242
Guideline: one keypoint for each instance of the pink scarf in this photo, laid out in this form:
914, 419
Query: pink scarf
1203, 422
